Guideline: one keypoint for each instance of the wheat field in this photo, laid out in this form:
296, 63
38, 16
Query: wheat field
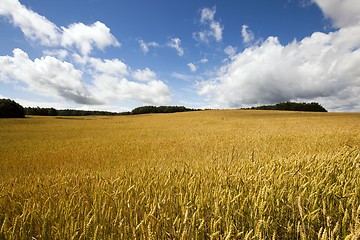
220, 174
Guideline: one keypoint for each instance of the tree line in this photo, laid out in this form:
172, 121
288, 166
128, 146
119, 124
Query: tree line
71, 112
161, 109
65, 112
9, 108
293, 106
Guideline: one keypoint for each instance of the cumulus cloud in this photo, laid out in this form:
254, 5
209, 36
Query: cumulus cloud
112, 67
46, 76
212, 29
343, 12
322, 67
39, 29
192, 67
247, 35
111, 88
175, 43
34, 26
85, 37
145, 75
98, 81
145, 46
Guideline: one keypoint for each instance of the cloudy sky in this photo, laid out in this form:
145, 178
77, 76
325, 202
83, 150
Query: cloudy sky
117, 55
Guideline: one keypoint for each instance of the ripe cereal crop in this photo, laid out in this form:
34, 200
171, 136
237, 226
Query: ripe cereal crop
219, 174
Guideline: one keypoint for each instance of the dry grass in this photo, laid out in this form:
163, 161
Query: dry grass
200, 175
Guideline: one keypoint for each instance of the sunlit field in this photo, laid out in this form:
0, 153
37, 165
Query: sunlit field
225, 174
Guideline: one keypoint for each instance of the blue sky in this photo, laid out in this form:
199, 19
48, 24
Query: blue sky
118, 55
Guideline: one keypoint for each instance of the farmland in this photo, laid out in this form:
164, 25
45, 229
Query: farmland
221, 174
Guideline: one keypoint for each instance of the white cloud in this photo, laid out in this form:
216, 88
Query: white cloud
207, 15
51, 77
47, 104
145, 46
322, 67
107, 108
83, 60
60, 53
216, 30
46, 76
66, 105
99, 81
213, 28
204, 60
230, 50
39, 29
175, 43
111, 67
34, 26
343, 12
201, 37
188, 78
247, 35
192, 67
85, 37
112, 89
145, 75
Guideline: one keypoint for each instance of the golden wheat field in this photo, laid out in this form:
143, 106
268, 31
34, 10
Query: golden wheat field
221, 174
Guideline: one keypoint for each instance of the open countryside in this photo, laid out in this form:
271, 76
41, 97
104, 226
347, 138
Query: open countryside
180, 120
217, 174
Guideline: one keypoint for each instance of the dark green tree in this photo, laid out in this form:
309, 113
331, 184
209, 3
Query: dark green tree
160, 109
293, 106
11, 109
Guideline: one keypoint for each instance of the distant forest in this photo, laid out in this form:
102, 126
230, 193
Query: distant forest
64, 112
292, 106
9, 108
161, 109
70, 112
